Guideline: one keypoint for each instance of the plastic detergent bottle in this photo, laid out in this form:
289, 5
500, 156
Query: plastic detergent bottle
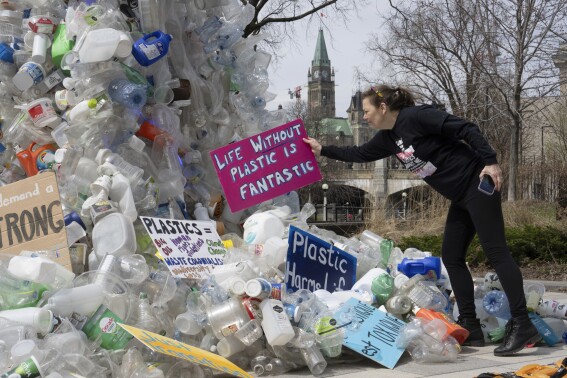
151, 47
427, 266
35, 159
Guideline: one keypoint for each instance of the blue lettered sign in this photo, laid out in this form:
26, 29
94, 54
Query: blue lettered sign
315, 264
375, 335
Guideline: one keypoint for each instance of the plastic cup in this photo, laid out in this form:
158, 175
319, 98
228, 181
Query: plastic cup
116, 293
41, 112
226, 318
163, 94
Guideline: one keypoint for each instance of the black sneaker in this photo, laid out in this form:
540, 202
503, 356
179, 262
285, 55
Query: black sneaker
476, 337
519, 332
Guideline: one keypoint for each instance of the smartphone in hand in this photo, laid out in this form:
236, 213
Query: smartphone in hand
486, 185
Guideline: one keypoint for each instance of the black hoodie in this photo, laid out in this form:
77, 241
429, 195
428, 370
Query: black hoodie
444, 150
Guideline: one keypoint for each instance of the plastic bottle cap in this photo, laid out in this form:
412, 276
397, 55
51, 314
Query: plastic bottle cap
124, 46
238, 287
25, 78
59, 155
253, 288
136, 143
92, 103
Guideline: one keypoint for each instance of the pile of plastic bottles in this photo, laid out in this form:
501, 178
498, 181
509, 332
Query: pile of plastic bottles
124, 100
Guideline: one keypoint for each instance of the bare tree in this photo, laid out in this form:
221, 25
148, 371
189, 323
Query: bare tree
488, 59
280, 14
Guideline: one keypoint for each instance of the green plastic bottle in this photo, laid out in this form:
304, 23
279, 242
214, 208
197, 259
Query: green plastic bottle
16, 293
382, 287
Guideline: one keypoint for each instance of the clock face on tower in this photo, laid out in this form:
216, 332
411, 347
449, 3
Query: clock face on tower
316, 74
325, 74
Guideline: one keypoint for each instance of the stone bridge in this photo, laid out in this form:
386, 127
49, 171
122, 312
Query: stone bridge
381, 184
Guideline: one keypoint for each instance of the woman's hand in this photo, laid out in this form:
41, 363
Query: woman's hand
495, 172
315, 146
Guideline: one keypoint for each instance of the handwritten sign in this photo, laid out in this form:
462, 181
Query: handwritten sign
190, 248
265, 166
174, 348
376, 334
31, 218
314, 264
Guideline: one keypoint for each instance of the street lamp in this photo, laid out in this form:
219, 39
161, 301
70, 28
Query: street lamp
325, 187
405, 199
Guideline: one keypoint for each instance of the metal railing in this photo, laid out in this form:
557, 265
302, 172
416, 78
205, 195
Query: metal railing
340, 214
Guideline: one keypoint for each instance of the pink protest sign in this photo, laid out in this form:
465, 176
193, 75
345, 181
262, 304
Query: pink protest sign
265, 166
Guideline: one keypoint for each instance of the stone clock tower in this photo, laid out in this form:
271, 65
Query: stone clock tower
321, 83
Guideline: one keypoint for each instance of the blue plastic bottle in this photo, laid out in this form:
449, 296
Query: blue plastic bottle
544, 330
6, 53
151, 47
496, 304
427, 266
127, 93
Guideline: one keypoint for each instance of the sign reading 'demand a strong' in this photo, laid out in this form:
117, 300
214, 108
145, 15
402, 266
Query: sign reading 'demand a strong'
315, 264
31, 218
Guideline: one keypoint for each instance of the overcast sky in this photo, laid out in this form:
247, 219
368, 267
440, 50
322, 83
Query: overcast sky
346, 49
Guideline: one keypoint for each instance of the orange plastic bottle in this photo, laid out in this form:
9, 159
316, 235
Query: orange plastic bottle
453, 329
35, 159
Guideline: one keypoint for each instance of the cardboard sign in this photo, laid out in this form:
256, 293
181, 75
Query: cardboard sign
314, 264
190, 248
376, 334
175, 348
31, 218
265, 166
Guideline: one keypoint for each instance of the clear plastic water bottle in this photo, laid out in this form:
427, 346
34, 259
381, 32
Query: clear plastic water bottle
131, 171
145, 317
534, 291
496, 304
127, 93
399, 304
426, 295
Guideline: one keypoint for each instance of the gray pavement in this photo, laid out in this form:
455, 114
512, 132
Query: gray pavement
471, 362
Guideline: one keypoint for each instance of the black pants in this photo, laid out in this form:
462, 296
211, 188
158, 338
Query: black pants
482, 214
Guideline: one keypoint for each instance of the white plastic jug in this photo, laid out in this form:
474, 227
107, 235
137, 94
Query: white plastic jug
101, 45
39, 269
114, 235
260, 227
